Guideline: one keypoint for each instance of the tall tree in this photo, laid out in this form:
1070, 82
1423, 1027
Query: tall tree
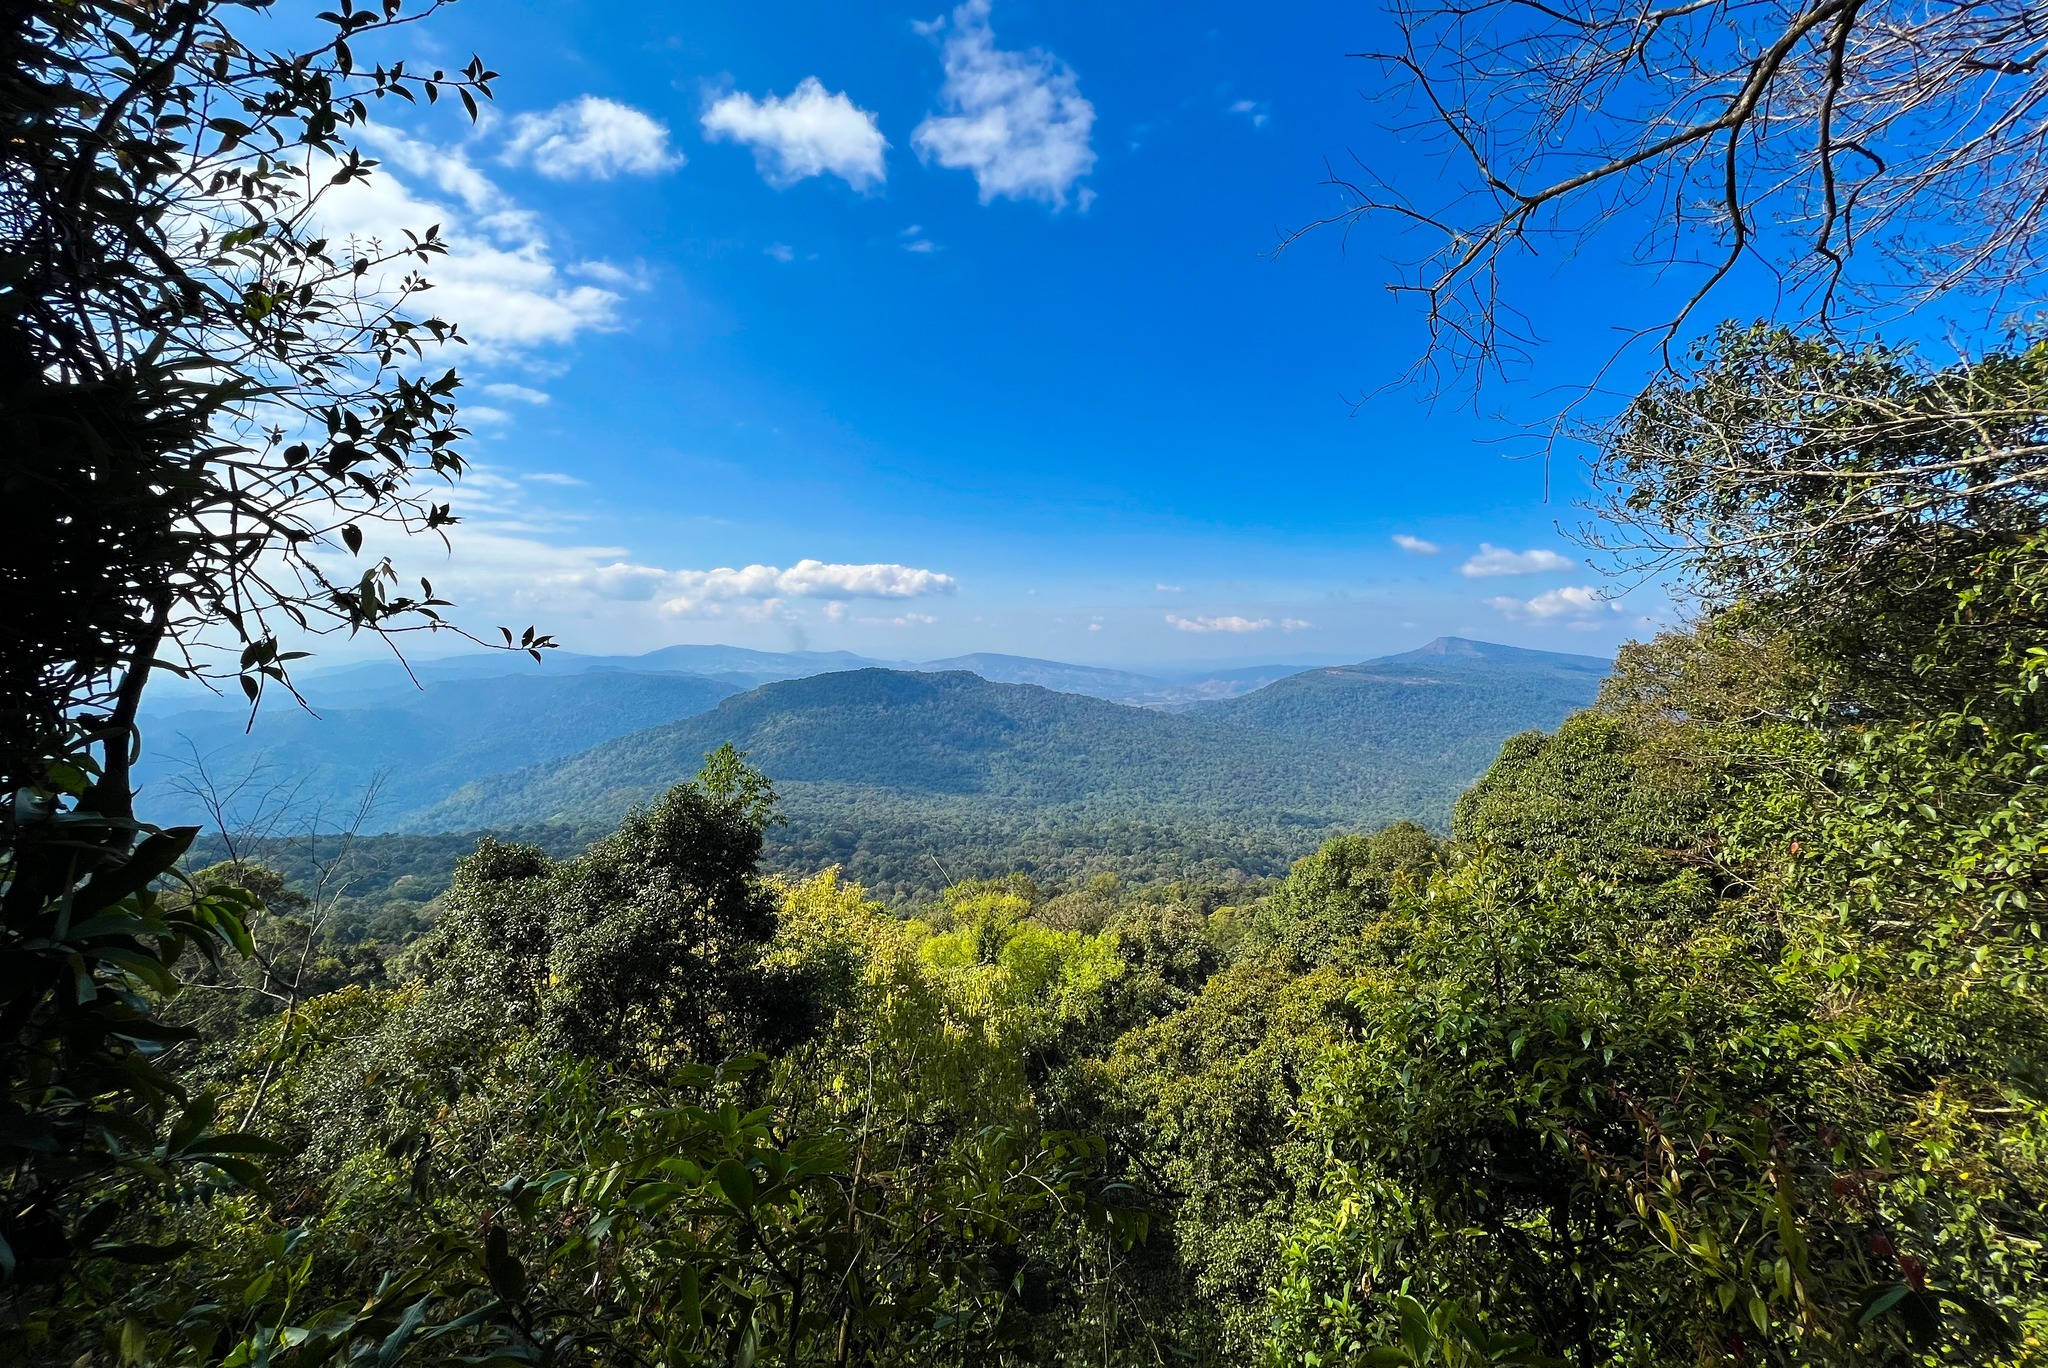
204, 403
207, 401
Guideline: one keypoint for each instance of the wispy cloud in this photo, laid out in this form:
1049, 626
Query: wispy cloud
1017, 120
521, 393
590, 139
500, 279
809, 132
1223, 623
1415, 546
1499, 560
1255, 110
1579, 603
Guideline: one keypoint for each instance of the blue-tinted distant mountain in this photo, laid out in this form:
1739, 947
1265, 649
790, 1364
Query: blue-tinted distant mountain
1010, 762
1119, 686
361, 685
886, 771
1462, 653
736, 664
1442, 709
950, 733
416, 744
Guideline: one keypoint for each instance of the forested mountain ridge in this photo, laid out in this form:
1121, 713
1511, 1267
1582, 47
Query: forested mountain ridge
1387, 727
744, 668
1441, 710
1309, 749
952, 734
908, 778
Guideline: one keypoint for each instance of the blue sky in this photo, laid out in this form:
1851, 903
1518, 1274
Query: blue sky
916, 331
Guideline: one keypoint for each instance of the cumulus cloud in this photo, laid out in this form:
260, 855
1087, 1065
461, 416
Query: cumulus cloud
590, 139
1416, 546
1499, 560
755, 591
1580, 603
703, 590
500, 280
809, 132
524, 394
1017, 120
1220, 624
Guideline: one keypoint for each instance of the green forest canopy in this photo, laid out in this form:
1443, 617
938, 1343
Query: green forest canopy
1711, 1033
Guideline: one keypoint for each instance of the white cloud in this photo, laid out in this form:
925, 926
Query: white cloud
904, 620
1581, 602
1255, 110
485, 414
591, 138
1169, 589
809, 132
522, 393
914, 240
1415, 546
499, 281
1017, 120
701, 591
611, 275
729, 591
553, 477
1295, 624
781, 251
1498, 560
1221, 624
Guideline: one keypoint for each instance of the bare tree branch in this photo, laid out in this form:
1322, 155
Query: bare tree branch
1876, 156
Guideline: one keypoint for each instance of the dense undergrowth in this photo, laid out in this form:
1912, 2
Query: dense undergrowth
1712, 1034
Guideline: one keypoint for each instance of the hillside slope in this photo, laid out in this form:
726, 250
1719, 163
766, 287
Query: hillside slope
417, 744
911, 779
1440, 711
950, 736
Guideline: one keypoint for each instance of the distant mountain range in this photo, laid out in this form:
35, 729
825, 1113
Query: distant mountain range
1441, 711
349, 685
950, 736
997, 762
415, 745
